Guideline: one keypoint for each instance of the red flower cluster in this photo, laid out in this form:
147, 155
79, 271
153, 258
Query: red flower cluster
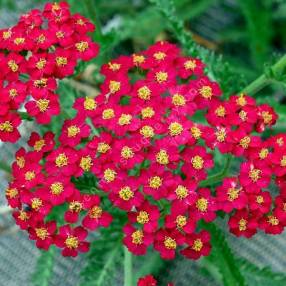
140, 140
149, 280
40, 48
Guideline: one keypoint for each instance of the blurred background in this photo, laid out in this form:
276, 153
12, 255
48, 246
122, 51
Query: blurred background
249, 34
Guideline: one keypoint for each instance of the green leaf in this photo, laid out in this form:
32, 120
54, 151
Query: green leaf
223, 258
43, 272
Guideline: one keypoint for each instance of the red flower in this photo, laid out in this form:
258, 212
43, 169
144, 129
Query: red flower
148, 280
230, 195
146, 215
198, 245
63, 161
72, 240
96, 216
253, 177
272, 223
42, 144
137, 241
43, 234
242, 223
73, 131
8, 127
167, 241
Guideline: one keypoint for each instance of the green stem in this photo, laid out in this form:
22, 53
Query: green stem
263, 80
5, 167
92, 12
127, 267
219, 176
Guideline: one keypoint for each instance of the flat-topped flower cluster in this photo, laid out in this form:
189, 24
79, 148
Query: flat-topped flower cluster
150, 138
40, 48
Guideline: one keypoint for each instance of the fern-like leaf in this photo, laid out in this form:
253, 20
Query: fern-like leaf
43, 272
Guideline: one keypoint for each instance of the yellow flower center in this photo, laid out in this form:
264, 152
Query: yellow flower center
13, 92
147, 131
30, 175
126, 193
20, 162
242, 115
202, 204
244, 142
43, 104
124, 119
81, 46
181, 221
263, 153
138, 59
19, 41
147, 112
233, 194
13, 66
114, 86
190, 65
36, 203
267, 117
161, 77
280, 141
283, 161
242, 224
11, 193
178, 100
206, 92
254, 175
143, 217
181, 192
220, 135
75, 206
144, 93
170, 243
175, 129
41, 83
259, 199
137, 237
273, 220
159, 56
23, 215
86, 163
103, 147
61, 61
95, 212
56, 188
41, 64
61, 160
155, 182
162, 157
197, 162
38, 146
73, 131
60, 34
6, 127
89, 104
41, 39
108, 113
72, 242
109, 175
114, 66
126, 152
197, 245
42, 233
220, 111
241, 101
7, 35
196, 132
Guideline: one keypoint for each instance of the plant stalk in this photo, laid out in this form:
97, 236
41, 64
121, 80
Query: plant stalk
128, 271
263, 80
